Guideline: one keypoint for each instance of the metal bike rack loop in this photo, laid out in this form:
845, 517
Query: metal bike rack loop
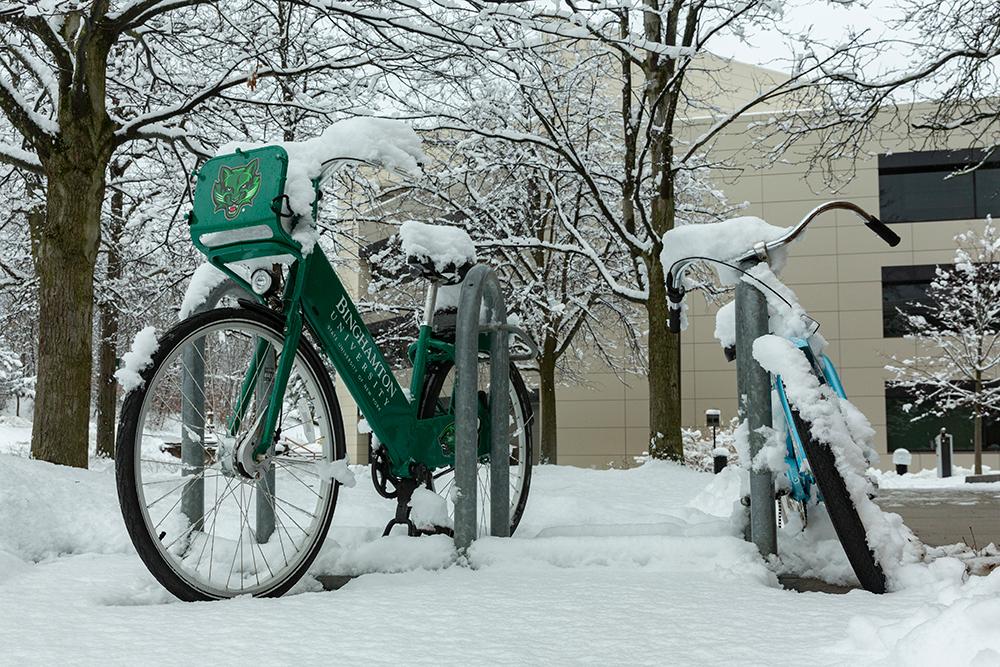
193, 424
481, 288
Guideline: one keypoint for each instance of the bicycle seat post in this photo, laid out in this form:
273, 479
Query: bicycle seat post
430, 303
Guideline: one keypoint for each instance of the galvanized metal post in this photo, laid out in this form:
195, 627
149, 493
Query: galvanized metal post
480, 283
753, 387
193, 432
193, 425
265, 485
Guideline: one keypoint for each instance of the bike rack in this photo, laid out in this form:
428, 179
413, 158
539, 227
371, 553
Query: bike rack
480, 289
193, 424
753, 386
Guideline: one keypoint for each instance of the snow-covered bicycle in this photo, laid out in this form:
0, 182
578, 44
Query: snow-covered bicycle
231, 446
806, 383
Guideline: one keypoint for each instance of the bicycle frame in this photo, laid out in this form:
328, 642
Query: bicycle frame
314, 297
798, 472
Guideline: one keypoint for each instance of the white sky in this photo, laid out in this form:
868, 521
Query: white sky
827, 21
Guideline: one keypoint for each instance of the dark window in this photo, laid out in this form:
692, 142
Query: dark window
904, 288
927, 185
902, 431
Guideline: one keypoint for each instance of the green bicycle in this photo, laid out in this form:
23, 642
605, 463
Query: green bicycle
231, 453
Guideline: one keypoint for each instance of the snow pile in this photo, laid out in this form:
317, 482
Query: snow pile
204, 279
137, 359
48, 511
841, 426
724, 241
958, 626
428, 509
390, 143
445, 247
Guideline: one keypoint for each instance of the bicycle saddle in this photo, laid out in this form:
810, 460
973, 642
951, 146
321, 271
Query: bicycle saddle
450, 274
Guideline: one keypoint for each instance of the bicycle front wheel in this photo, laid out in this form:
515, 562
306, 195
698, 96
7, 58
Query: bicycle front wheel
207, 524
843, 514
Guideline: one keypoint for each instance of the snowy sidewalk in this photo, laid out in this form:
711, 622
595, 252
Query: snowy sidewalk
611, 567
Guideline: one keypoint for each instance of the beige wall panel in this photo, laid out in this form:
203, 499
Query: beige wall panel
746, 188
716, 385
815, 242
933, 256
688, 415
592, 414
860, 382
939, 235
636, 441
856, 324
607, 442
868, 267
874, 353
637, 387
637, 413
787, 188
860, 296
817, 298
604, 386
710, 357
811, 269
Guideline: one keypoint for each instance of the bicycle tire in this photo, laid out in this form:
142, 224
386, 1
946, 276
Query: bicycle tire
843, 513
127, 442
433, 383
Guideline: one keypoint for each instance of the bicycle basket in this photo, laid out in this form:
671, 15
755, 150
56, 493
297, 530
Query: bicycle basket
240, 211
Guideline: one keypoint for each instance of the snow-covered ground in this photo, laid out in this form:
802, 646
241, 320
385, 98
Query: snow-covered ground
928, 479
641, 566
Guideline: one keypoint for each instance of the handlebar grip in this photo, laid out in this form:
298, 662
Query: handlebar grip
883, 231
674, 320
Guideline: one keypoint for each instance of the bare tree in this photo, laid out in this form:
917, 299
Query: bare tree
78, 82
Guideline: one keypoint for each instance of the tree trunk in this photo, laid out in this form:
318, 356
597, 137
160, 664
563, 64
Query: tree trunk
664, 374
547, 401
65, 252
977, 428
107, 385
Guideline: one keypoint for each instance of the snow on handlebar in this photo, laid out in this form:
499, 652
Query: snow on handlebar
725, 245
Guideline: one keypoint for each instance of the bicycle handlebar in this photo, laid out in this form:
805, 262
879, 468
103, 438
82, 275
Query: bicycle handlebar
675, 273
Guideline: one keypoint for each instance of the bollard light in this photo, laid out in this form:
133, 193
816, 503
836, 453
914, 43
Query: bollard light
901, 458
720, 456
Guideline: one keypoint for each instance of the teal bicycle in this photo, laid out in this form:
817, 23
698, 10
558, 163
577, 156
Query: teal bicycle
231, 454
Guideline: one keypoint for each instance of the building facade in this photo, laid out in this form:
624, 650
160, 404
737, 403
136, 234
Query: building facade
845, 277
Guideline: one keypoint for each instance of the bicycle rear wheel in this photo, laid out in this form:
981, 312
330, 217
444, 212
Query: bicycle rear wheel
207, 523
437, 399
840, 507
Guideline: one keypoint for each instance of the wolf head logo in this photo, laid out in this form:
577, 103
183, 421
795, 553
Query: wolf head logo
236, 188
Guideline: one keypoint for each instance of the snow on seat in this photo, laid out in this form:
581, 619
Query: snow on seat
437, 252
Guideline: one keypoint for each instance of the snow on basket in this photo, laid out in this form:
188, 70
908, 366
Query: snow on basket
386, 142
446, 249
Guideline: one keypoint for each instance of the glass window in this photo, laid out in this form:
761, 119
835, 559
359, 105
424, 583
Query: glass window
925, 195
904, 288
926, 185
903, 431
988, 191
